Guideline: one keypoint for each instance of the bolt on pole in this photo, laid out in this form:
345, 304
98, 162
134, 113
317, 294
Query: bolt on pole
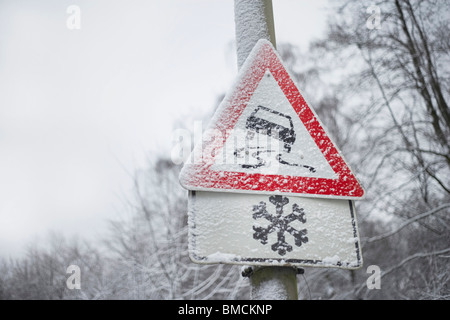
254, 21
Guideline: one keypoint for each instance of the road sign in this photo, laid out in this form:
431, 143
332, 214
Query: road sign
259, 229
267, 184
265, 139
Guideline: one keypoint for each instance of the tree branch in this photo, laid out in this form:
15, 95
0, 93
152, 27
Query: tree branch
407, 222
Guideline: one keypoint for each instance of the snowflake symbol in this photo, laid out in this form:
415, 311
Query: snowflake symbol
280, 224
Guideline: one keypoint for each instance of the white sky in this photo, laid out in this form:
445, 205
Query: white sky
80, 108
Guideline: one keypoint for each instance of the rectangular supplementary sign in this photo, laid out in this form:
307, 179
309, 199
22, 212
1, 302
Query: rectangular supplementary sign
272, 230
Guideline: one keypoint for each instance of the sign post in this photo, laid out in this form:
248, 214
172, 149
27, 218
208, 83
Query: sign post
267, 185
285, 277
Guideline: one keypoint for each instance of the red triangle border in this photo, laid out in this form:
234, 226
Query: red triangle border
202, 177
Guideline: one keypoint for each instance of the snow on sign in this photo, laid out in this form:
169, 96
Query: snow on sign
266, 183
265, 139
258, 229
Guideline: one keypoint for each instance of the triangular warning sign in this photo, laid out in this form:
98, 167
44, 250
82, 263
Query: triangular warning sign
264, 138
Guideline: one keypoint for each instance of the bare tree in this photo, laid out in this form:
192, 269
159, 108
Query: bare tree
390, 91
151, 246
42, 273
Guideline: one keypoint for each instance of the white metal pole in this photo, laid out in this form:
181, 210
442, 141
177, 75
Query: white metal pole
254, 21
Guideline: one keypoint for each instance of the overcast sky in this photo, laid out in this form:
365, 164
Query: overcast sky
79, 108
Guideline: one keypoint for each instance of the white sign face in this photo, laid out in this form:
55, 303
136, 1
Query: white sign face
270, 138
281, 230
